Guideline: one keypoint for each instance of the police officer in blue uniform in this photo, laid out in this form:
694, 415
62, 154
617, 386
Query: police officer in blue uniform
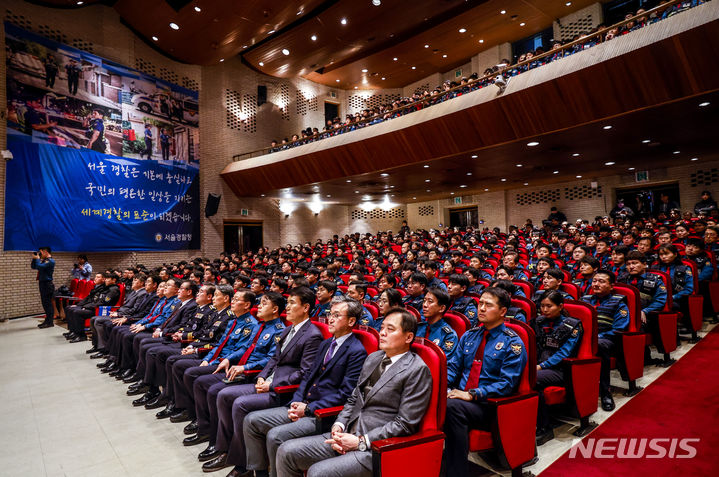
558, 336
325, 291
552, 279
358, 291
43, 262
148, 142
436, 329
587, 266
512, 311
429, 268
473, 275
681, 275
458, 285
96, 132
612, 317
415, 291
488, 363
652, 291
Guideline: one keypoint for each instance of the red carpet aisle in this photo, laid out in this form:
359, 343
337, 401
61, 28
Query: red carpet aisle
680, 407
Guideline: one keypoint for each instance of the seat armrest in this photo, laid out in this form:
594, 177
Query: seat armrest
286, 389
394, 443
202, 351
503, 401
328, 412
580, 361
252, 372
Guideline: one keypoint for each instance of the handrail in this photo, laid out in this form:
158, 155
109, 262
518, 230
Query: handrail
426, 100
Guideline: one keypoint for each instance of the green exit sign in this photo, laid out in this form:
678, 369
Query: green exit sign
457, 200
244, 211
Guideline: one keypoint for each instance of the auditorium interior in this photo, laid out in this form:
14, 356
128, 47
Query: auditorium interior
251, 144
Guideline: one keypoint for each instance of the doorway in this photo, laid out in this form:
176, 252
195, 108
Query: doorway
332, 111
464, 217
645, 200
242, 237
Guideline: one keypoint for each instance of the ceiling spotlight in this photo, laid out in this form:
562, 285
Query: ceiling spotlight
706, 103
695, 158
630, 169
328, 195
414, 67
337, 80
79, 3
579, 177
610, 163
414, 198
384, 174
285, 51
174, 26
262, 195
481, 41
154, 38
198, 9
426, 166
607, 127
429, 190
469, 173
356, 192
526, 183
394, 59
221, 60
555, 172
463, 186
444, 56
576, 154
343, 21
474, 156
427, 180
270, 32
503, 12
364, 70
313, 38
532, 144
348, 180
486, 190
519, 165
451, 193
462, 30
383, 78
426, 46
376, 3
568, 4
261, 63
676, 152
522, 24
356, 87
646, 141
504, 180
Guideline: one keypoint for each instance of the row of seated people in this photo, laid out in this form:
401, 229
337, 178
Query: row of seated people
452, 89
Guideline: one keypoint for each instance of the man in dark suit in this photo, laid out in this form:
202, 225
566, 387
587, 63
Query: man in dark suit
390, 400
330, 383
293, 359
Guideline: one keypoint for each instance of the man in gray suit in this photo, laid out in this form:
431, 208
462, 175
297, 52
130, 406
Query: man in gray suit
390, 400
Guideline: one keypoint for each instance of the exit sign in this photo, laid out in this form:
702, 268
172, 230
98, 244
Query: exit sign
244, 211
457, 200
641, 176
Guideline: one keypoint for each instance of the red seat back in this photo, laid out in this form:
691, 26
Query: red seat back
73, 285
121, 299
526, 287
587, 314
570, 288
369, 337
526, 305
459, 323
668, 285
695, 273
373, 309
436, 361
634, 304
414, 311
528, 379
321, 323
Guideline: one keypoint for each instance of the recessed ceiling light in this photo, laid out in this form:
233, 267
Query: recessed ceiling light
80, 3
414, 67
383, 78
313, 38
568, 4
469, 173
198, 9
429, 190
576, 154
676, 152
285, 51
706, 103
610, 163
299, 13
555, 172
462, 30
414, 198
474, 156
695, 158
522, 24
348, 180
364, 70
579, 177
221, 60
426, 46
451, 193
261, 63
384, 174
337, 80
532, 144
376, 3
486, 190
356, 192
503, 12
343, 21
262, 195
427, 180
244, 46
519, 165
394, 59
504, 180
481, 41
270, 32
607, 127
444, 56
426, 166
355, 87
630, 169
154, 38
391, 187
174, 26
646, 141
526, 183
328, 195
463, 186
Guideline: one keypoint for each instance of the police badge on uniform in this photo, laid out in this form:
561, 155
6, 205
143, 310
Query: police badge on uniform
575, 332
237, 331
436, 341
623, 312
277, 338
448, 345
247, 331
266, 337
499, 345
516, 348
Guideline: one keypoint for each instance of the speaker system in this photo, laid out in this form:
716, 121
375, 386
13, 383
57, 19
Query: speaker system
213, 202
261, 95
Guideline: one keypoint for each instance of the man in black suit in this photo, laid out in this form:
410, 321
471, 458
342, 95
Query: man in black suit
293, 359
329, 383
390, 400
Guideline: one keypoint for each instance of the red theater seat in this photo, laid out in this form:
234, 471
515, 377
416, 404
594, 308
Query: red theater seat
695, 303
633, 341
663, 324
459, 323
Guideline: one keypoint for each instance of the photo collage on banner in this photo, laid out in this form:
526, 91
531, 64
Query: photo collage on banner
60, 97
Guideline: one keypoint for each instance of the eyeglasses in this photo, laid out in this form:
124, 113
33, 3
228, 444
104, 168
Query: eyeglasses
336, 316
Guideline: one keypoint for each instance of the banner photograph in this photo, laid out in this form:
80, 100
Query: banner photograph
96, 147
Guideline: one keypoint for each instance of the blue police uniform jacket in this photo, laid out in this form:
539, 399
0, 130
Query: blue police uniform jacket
556, 339
414, 301
377, 324
704, 266
157, 308
519, 274
584, 284
682, 279
436, 283
652, 291
612, 313
238, 333
477, 288
45, 268
467, 306
265, 346
502, 364
441, 334
366, 318
321, 309
516, 313
167, 310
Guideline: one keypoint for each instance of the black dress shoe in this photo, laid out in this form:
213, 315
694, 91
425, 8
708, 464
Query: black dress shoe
45, 325
91, 350
196, 439
67, 334
167, 412
116, 372
126, 374
158, 402
78, 339
70, 336
180, 416
147, 397
111, 368
105, 363
135, 390
210, 453
544, 435
218, 463
607, 402
133, 378
239, 472
97, 355
191, 428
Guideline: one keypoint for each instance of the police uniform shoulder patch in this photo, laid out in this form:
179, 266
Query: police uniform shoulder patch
172, 308
217, 323
575, 332
266, 337
448, 345
509, 332
499, 345
516, 348
247, 331
364, 321
279, 326
623, 312
662, 288
470, 314
277, 338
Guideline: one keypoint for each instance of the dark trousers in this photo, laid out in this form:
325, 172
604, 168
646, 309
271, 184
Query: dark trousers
148, 149
114, 342
185, 399
606, 349
183, 396
145, 346
205, 390
168, 388
461, 417
131, 348
165, 150
47, 292
155, 360
546, 378
76, 317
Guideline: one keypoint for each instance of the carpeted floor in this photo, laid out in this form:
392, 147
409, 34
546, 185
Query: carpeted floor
680, 404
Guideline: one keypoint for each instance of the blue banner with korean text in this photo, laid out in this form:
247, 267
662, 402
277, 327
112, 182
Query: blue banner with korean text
81, 200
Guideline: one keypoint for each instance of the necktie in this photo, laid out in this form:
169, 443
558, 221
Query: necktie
476, 369
289, 337
222, 345
251, 348
328, 356
376, 374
